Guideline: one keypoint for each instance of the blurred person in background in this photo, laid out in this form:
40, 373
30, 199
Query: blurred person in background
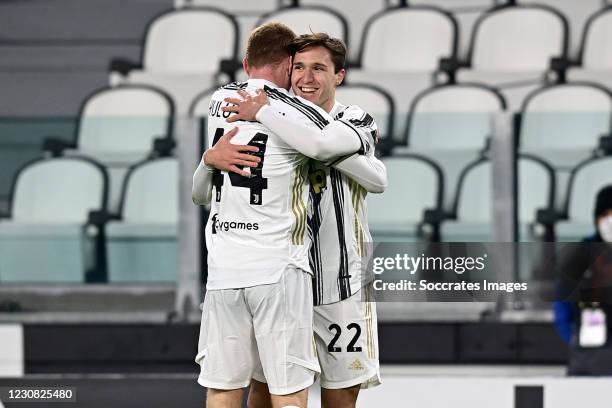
585, 321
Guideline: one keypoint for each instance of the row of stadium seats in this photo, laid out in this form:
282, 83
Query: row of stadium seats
59, 229
59, 206
557, 132
405, 51
412, 207
400, 49
563, 124
356, 13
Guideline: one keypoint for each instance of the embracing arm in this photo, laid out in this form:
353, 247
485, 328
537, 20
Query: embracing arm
201, 191
334, 139
366, 170
223, 156
304, 126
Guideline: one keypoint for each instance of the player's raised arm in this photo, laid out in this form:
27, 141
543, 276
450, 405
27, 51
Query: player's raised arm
366, 170
302, 125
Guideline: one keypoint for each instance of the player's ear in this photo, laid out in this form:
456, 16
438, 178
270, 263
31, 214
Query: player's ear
245, 65
340, 76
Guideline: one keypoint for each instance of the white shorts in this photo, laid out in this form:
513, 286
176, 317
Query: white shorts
266, 327
347, 342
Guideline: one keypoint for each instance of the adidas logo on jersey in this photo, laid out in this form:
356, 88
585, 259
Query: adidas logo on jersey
217, 224
356, 365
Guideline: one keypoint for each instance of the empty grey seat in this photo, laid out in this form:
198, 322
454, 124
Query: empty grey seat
374, 100
142, 245
401, 49
466, 12
180, 55
246, 12
46, 238
566, 117
415, 185
121, 124
307, 19
232, 6
474, 200
451, 124
563, 123
455, 5
586, 181
595, 58
453, 117
174, 41
356, 13
118, 127
577, 13
512, 46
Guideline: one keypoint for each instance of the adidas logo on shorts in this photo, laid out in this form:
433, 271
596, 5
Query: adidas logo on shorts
356, 365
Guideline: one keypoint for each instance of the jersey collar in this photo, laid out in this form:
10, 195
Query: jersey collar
260, 83
336, 109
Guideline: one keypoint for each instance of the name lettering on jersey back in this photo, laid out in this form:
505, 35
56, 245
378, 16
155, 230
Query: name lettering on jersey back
219, 225
214, 109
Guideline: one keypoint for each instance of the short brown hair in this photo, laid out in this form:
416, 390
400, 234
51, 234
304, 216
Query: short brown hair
268, 44
335, 46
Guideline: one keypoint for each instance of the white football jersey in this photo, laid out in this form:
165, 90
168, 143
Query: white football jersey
257, 225
337, 220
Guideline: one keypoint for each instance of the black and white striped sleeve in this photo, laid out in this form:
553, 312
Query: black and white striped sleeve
307, 128
363, 125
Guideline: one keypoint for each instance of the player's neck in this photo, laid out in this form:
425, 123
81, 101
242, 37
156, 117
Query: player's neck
266, 74
329, 105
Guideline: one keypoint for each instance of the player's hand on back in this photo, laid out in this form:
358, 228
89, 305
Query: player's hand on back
227, 156
247, 107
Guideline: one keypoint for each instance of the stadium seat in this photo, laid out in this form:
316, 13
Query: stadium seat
235, 7
374, 100
454, 5
576, 12
142, 245
595, 59
119, 127
511, 48
408, 39
246, 13
356, 13
455, 117
472, 219
48, 237
451, 124
415, 186
401, 50
568, 117
563, 123
585, 182
466, 12
307, 19
180, 55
